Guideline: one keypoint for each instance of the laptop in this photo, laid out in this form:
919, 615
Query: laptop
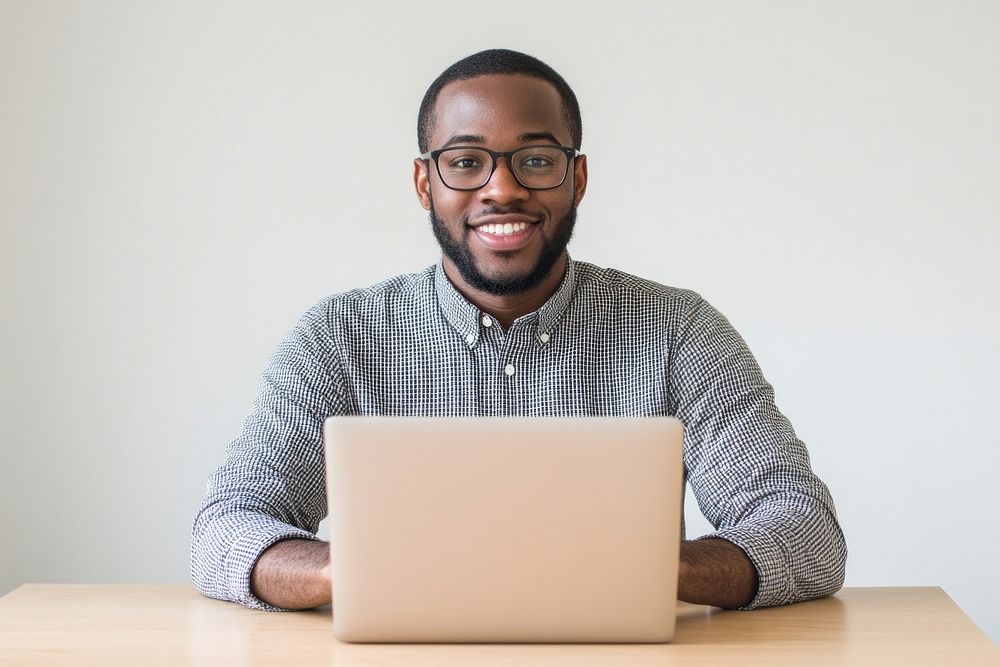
495, 530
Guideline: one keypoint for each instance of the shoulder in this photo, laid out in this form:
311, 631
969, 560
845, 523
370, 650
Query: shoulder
399, 293
595, 284
317, 338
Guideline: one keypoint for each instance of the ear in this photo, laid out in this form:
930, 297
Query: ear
422, 183
579, 179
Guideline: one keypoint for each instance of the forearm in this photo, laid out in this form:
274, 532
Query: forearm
715, 572
293, 574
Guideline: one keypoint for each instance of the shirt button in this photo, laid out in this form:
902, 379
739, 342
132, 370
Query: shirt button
544, 338
487, 322
509, 370
470, 339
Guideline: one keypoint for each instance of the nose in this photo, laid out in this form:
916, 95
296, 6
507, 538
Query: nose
503, 188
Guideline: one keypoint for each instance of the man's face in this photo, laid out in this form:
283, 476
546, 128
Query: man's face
501, 113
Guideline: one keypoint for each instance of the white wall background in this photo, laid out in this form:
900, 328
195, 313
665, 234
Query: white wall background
179, 181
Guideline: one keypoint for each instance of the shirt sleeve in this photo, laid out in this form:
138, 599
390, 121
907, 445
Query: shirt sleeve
749, 471
272, 484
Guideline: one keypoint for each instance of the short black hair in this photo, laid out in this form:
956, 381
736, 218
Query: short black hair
498, 61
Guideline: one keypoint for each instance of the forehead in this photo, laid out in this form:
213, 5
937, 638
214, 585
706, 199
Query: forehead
500, 108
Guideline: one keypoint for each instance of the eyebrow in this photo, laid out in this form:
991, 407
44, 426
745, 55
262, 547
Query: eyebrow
465, 139
479, 139
535, 136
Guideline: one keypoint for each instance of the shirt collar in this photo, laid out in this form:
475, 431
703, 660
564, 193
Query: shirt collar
466, 318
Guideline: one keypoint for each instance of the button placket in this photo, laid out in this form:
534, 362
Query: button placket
511, 350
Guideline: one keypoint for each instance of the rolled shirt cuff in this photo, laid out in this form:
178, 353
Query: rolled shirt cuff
775, 583
243, 556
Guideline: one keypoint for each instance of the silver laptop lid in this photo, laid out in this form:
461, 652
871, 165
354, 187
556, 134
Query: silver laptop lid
504, 529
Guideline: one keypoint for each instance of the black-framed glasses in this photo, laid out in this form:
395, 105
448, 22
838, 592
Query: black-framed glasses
471, 167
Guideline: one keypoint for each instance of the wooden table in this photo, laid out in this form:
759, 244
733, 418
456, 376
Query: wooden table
49, 624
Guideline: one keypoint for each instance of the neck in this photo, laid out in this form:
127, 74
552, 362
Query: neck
507, 308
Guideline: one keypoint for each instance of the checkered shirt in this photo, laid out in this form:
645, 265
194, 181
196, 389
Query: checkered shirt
605, 344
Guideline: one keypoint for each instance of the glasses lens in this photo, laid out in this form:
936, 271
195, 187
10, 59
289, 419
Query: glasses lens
540, 166
536, 167
465, 167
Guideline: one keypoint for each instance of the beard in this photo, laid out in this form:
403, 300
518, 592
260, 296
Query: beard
457, 250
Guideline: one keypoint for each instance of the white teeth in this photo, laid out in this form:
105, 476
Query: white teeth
505, 229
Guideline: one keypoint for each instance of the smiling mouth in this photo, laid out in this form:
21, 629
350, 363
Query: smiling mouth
504, 229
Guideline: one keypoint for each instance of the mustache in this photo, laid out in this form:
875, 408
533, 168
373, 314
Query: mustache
501, 210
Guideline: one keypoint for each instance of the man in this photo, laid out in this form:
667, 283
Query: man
508, 324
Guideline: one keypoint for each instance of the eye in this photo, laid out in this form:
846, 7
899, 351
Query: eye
536, 162
464, 162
